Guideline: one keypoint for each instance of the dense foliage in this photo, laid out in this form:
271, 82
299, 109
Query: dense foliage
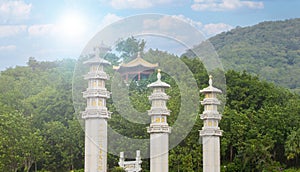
268, 49
39, 129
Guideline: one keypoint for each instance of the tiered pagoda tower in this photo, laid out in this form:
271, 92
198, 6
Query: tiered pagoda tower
159, 129
96, 115
211, 132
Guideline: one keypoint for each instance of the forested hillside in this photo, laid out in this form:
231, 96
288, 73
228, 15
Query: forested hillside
39, 129
270, 50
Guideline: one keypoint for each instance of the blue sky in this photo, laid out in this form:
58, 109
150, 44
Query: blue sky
45, 29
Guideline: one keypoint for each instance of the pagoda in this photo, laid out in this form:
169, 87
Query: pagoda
96, 115
136, 69
211, 132
159, 129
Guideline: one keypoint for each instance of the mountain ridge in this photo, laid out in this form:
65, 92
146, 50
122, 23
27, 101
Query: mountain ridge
269, 49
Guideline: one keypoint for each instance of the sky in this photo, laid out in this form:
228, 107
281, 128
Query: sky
58, 29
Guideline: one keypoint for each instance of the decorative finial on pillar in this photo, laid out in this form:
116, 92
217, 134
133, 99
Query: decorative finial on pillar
139, 55
210, 80
158, 74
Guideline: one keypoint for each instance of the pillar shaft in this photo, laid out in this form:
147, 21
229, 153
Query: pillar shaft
95, 145
211, 154
159, 152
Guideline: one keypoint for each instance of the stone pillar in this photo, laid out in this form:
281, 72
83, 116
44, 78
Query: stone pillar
121, 160
138, 161
95, 116
211, 132
159, 129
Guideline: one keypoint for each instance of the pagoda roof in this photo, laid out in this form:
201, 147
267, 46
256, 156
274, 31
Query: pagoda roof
96, 60
210, 88
138, 61
159, 83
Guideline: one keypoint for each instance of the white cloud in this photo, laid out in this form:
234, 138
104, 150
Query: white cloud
41, 30
136, 4
208, 30
109, 19
123, 4
224, 5
215, 28
14, 10
196, 24
164, 23
8, 48
168, 23
12, 30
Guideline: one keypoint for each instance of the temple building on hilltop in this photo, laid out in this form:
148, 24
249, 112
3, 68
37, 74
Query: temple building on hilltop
136, 69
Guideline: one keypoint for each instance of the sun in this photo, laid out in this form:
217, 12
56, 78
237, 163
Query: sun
72, 24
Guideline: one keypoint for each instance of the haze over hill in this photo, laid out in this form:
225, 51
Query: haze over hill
268, 49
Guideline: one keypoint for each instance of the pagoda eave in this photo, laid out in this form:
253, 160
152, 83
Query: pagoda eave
135, 69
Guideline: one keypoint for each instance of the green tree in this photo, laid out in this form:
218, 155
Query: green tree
21, 144
130, 47
118, 169
292, 145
